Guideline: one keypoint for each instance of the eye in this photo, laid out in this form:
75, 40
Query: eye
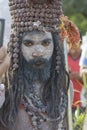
28, 43
45, 43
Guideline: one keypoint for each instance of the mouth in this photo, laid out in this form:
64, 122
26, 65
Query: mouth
38, 64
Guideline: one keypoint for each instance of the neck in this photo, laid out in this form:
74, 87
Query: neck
34, 93
35, 87
75, 55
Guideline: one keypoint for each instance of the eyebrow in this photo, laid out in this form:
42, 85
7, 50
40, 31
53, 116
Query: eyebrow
32, 41
47, 40
28, 40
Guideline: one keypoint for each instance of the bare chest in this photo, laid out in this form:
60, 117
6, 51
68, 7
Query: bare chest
24, 122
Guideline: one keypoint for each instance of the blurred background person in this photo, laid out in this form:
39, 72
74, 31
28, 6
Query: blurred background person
74, 40
74, 54
73, 36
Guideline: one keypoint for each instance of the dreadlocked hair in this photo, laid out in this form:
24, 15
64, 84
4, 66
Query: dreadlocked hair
54, 94
56, 87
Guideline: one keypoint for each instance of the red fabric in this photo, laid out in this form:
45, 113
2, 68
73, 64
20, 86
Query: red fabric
74, 67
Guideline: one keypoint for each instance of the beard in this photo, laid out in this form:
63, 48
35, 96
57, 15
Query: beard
37, 69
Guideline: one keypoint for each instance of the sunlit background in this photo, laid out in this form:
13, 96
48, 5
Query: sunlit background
5, 14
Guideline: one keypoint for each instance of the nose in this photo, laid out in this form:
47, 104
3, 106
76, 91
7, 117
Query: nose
38, 53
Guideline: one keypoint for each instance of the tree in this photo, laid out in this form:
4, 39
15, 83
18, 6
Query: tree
77, 12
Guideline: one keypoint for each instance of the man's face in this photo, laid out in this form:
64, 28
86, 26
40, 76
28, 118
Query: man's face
75, 48
37, 45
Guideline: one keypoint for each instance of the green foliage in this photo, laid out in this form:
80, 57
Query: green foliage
79, 114
78, 119
80, 21
75, 6
77, 12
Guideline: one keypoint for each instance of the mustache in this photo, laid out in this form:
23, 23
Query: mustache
41, 60
33, 71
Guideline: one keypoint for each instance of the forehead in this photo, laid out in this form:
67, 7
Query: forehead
37, 36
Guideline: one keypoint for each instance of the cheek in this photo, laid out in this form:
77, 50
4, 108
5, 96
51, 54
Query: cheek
48, 52
27, 52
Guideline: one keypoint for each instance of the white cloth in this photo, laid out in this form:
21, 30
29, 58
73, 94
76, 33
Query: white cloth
83, 97
2, 94
83, 59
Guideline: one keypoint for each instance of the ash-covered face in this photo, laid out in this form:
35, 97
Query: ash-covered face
37, 47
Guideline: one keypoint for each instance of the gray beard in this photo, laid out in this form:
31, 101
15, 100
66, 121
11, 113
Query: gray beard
37, 74
34, 74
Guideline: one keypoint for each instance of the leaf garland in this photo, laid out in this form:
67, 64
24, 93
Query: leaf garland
69, 30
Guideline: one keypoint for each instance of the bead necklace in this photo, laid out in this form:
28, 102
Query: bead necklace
37, 111
37, 115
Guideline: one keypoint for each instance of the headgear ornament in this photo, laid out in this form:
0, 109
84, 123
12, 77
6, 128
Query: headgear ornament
70, 31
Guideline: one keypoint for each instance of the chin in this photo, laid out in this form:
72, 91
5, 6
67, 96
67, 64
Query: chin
73, 52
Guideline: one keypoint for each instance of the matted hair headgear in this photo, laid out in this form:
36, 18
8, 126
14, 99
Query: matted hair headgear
28, 15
